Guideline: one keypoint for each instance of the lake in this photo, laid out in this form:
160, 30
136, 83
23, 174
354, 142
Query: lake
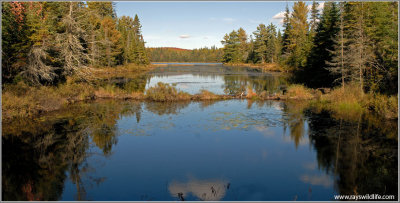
237, 150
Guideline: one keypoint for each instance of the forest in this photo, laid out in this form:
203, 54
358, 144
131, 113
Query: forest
44, 42
348, 42
170, 54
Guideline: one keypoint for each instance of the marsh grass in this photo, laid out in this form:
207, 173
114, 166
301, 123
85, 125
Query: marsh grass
268, 67
166, 92
299, 92
350, 103
207, 95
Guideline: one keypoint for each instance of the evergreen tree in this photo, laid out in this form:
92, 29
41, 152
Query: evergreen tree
243, 47
316, 74
15, 40
110, 42
314, 18
382, 31
297, 49
231, 50
338, 66
260, 43
287, 27
360, 53
278, 46
140, 51
271, 44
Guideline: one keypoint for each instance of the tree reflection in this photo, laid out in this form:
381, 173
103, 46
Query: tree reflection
236, 84
359, 151
295, 120
362, 158
37, 152
165, 108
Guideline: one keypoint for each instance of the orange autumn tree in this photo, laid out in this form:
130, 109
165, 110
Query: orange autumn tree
110, 42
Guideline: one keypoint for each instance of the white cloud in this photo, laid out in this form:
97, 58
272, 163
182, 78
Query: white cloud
279, 15
184, 36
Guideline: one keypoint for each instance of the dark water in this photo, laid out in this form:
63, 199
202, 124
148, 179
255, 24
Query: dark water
224, 150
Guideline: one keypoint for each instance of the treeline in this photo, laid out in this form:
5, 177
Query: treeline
43, 42
348, 42
169, 54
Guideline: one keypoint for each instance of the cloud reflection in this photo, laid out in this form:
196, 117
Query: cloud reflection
322, 180
205, 190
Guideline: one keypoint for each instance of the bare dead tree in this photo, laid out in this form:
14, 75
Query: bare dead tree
37, 70
72, 52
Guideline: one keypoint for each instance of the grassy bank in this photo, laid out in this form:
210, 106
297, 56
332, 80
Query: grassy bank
22, 100
272, 67
349, 102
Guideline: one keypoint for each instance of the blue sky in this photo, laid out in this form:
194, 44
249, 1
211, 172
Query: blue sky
198, 24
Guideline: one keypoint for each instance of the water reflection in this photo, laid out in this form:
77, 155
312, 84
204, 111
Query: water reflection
217, 79
358, 155
52, 157
204, 190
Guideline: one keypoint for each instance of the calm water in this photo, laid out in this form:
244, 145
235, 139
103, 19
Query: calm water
214, 78
225, 150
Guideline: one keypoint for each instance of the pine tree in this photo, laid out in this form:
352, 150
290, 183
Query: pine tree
360, 53
15, 40
278, 45
231, 50
314, 18
287, 27
296, 50
338, 65
140, 50
271, 44
110, 41
382, 31
260, 43
243, 47
323, 42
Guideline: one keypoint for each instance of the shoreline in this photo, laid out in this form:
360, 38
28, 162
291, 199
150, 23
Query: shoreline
272, 67
21, 100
